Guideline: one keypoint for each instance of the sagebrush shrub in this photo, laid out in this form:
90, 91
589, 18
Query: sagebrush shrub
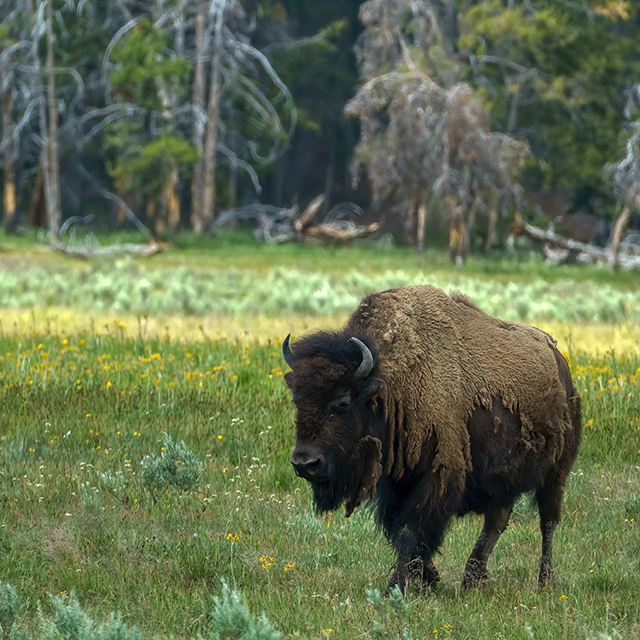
177, 467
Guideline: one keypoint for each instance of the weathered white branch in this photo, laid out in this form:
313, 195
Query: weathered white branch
581, 251
128, 249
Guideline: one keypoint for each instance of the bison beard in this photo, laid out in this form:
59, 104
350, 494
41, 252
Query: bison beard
428, 408
354, 481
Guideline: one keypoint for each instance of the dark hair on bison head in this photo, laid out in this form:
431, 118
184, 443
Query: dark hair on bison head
357, 351
333, 384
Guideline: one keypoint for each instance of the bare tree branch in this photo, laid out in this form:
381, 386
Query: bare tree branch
277, 225
579, 250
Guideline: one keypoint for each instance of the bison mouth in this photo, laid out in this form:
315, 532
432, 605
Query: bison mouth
351, 481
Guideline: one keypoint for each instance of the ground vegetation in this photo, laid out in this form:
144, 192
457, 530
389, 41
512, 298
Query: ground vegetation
145, 457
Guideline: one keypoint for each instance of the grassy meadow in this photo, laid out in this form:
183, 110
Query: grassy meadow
92, 397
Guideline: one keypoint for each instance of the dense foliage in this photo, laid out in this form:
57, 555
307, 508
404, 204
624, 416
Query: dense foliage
130, 118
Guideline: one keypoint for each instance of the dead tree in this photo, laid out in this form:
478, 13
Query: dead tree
425, 143
559, 249
276, 225
8, 141
625, 176
225, 57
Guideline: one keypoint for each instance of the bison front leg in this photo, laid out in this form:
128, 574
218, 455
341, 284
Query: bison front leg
400, 575
406, 545
415, 553
495, 522
418, 569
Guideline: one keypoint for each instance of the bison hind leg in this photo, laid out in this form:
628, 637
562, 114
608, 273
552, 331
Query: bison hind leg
549, 494
495, 522
430, 576
549, 497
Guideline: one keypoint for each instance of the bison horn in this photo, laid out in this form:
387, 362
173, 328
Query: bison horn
289, 358
367, 360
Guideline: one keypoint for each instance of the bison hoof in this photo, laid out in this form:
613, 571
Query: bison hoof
393, 583
545, 577
430, 577
474, 576
469, 583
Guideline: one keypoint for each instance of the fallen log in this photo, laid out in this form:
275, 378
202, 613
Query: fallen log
616, 237
559, 249
324, 232
304, 221
117, 250
278, 225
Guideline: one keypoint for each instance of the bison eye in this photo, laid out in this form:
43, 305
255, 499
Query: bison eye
343, 407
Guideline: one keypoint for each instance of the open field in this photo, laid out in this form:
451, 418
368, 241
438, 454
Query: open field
81, 411
86, 396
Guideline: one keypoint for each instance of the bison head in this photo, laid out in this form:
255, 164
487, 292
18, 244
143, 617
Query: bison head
339, 439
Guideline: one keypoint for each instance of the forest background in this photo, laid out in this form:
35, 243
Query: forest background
439, 118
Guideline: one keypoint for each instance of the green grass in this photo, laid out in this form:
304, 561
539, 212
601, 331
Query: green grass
79, 410
241, 251
293, 280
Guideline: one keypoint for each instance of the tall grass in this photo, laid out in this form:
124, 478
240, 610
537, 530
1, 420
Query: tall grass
81, 413
128, 288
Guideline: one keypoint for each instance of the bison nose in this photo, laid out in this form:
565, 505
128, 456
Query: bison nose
309, 466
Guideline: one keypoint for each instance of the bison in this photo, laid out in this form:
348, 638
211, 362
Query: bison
427, 408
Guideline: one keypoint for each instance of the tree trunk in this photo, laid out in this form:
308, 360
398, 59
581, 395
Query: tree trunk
150, 210
52, 172
616, 238
422, 223
173, 202
410, 224
9, 191
492, 223
213, 115
513, 110
328, 186
451, 21
233, 186
458, 237
198, 124
37, 215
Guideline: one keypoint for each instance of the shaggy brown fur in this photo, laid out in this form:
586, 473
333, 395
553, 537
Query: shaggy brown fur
440, 358
456, 411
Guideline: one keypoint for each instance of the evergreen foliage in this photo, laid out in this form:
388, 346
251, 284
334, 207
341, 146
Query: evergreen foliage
393, 614
11, 607
231, 619
555, 74
141, 161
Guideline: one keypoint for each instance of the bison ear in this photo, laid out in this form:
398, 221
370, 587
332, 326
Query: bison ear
369, 388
